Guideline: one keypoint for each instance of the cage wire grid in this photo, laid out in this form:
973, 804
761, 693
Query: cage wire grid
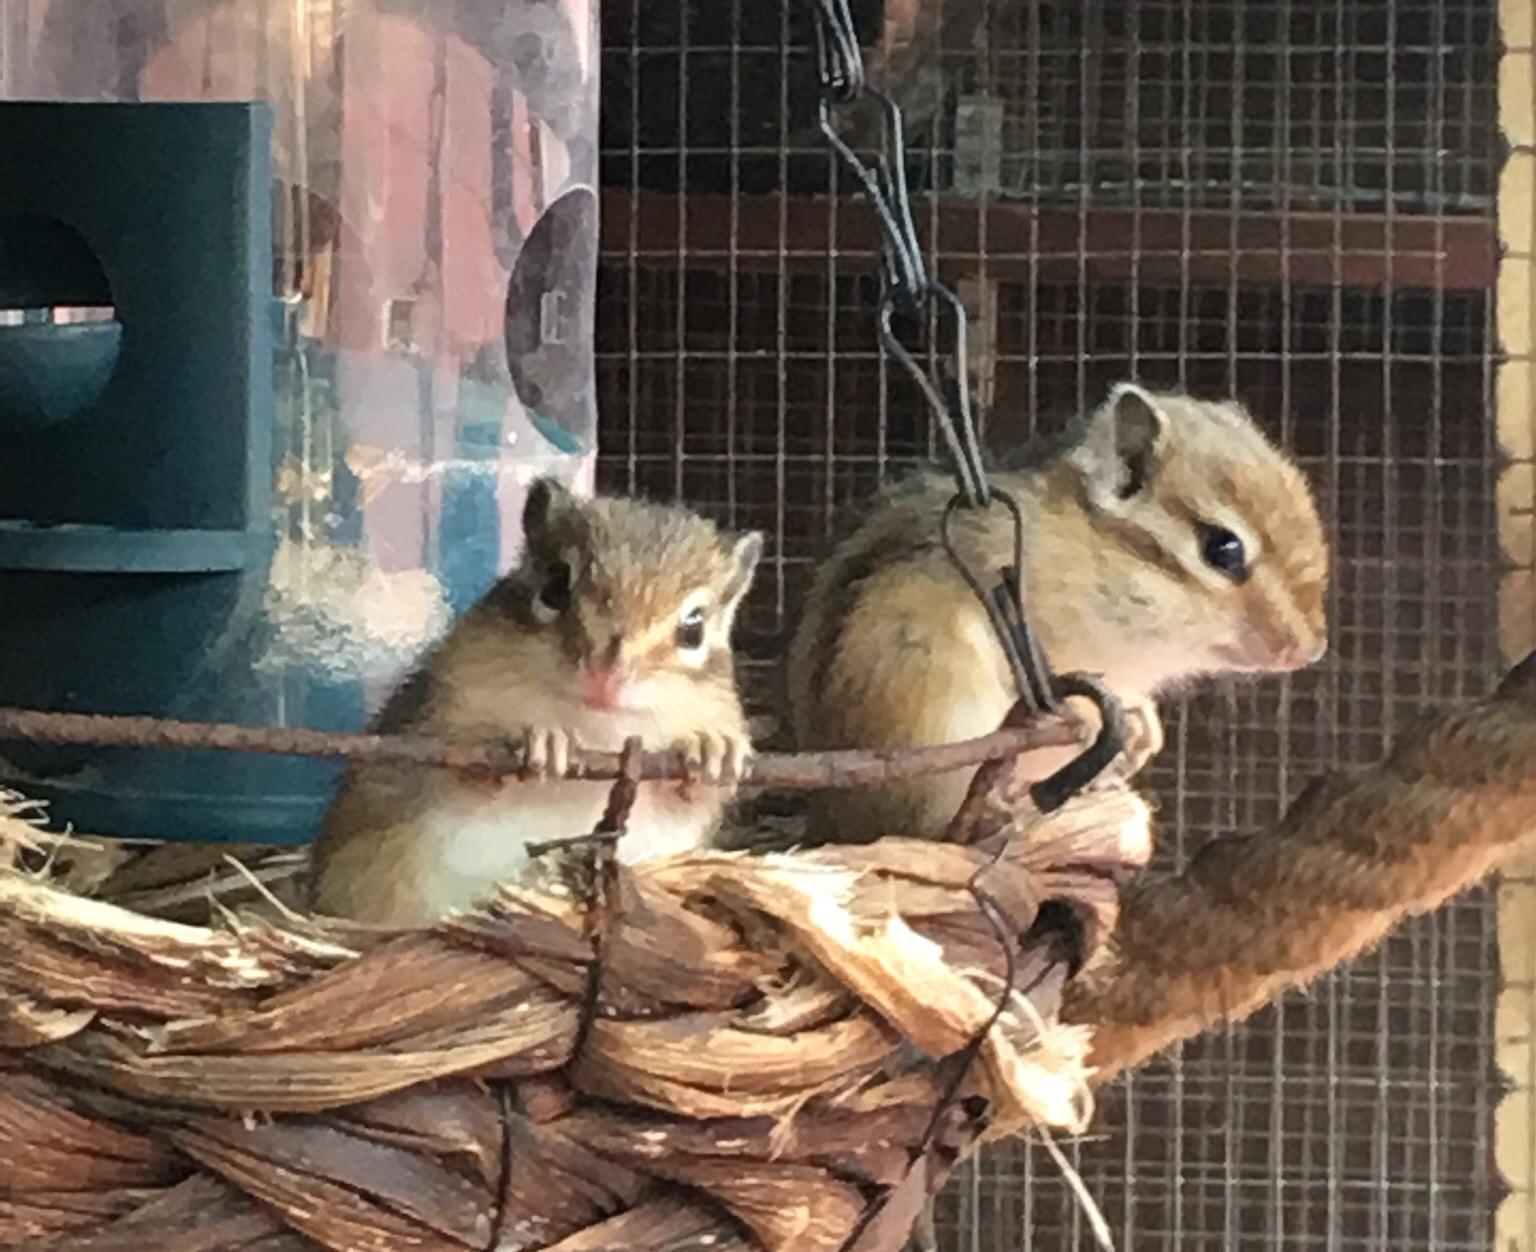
1286, 200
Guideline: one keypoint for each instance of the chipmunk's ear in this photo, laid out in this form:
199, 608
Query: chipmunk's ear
746, 553
548, 504
1118, 455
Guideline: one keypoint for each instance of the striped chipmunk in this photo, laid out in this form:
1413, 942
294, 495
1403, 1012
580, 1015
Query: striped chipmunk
1165, 538
616, 622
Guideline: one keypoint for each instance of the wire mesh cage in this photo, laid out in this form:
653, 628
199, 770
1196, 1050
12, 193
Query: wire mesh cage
1291, 201
1219, 105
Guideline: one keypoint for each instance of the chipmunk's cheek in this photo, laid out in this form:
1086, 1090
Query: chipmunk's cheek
1232, 656
1251, 650
640, 695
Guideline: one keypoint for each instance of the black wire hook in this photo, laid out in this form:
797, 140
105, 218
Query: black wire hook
840, 62
1004, 604
1049, 794
909, 288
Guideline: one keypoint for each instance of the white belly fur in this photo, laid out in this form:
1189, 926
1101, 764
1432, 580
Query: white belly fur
482, 839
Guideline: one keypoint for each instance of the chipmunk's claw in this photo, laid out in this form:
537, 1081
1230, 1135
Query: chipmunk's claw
1144, 739
547, 751
714, 758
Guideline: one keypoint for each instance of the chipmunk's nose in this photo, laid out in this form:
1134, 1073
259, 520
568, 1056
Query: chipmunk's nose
604, 685
1299, 655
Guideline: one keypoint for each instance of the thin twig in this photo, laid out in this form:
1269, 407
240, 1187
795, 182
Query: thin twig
806, 771
968, 824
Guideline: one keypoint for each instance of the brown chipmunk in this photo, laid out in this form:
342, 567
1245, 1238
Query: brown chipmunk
616, 622
1165, 537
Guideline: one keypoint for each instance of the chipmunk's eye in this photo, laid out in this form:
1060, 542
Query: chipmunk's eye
1222, 550
690, 631
555, 595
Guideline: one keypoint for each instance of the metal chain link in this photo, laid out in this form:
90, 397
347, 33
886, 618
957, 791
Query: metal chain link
910, 290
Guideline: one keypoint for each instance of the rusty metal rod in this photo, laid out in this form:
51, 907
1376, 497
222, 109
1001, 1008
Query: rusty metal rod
805, 771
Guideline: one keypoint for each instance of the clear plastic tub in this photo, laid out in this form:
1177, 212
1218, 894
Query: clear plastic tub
435, 242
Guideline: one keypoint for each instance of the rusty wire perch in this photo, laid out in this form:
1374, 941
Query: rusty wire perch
789, 772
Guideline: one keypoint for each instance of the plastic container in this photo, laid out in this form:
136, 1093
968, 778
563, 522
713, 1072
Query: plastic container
433, 258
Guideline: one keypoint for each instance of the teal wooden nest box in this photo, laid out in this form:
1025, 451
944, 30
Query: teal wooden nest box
136, 362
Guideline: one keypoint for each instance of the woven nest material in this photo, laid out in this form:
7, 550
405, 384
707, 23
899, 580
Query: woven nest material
773, 1036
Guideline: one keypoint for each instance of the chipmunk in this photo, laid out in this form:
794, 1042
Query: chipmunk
1165, 538
616, 622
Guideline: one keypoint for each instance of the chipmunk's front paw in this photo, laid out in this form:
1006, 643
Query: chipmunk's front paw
547, 751
1143, 737
1143, 741
717, 759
